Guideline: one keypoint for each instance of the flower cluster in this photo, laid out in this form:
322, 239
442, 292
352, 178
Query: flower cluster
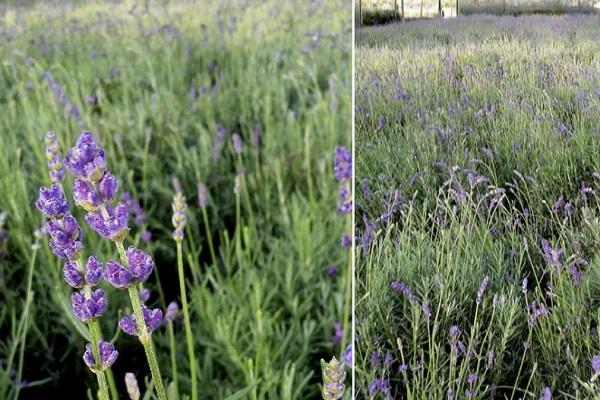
333, 379
66, 242
179, 217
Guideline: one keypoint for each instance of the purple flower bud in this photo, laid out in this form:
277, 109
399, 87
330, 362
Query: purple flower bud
202, 195
86, 159
218, 142
85, 196
237, 143
256, 134
108, 355
153, 318
345, 200
331, 271
65, 237
338, 333
117, 275
115, 227
140, 264
144, 295
72, 275
146, 236
342, 164
346, 241
85, 309
546, 394
52, 201
93, 271
172, 310
53, 158
347, 356
108, 187
472, 378
127, 325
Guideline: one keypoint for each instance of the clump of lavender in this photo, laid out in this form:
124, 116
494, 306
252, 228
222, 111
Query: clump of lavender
88, 304
71, 109
94, 189
333, 379
136, 211
179, 220
342, 170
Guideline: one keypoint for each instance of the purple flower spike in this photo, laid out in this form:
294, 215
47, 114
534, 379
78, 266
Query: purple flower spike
345, 200
346, 241
93, 271
482, 288
127, 325
552, 254
108, 187
85, 196
546, 394
140, 264
72, 275
179, 216
342, 164
53, 158
65, 237
52, 201
146, 236
86, 159
115, 227
153, 318
237, 143
172, 310
108, 355
202, 195
347, 356
85, 309
117, 275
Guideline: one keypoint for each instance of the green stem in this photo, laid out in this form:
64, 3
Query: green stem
103, 394
211, 247
346, 323
188, 327
143, 332
173, 357
94, 325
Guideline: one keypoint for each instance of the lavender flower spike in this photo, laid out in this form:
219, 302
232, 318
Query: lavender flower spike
179, 218
53, 158
172, 310
202, 195
333, 379
342, 164
131, 384
65, 237
152, 318
108, 355
86, 309
140, 264
482, 288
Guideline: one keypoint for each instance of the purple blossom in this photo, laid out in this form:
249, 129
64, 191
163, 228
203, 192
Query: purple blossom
73, 275
375, 360
85, 195
345, 200
108, 355
144, 295
108, 187
93, 271
202, 195
117, 275
552, 254
342, 164
114, 227
65, 237
546, 394
596, 364
152, 317
331, 271
237, 143
134, 208
171, 313
472, 378
86, 160
404, 289
218, 142
388, 359
52, 201
379, 385
127, 325
536, 311
345, 240
140, 264
347, 356
146, 236
426, 311
338, 333
85, 309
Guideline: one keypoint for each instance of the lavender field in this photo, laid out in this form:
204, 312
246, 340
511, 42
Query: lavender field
170, 173
477, 209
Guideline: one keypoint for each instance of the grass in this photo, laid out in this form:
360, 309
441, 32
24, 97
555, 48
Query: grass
155, 84
469, 131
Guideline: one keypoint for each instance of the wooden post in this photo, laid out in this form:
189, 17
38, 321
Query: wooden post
457, 8
440, 8
421, 8
359, 13
402, 5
